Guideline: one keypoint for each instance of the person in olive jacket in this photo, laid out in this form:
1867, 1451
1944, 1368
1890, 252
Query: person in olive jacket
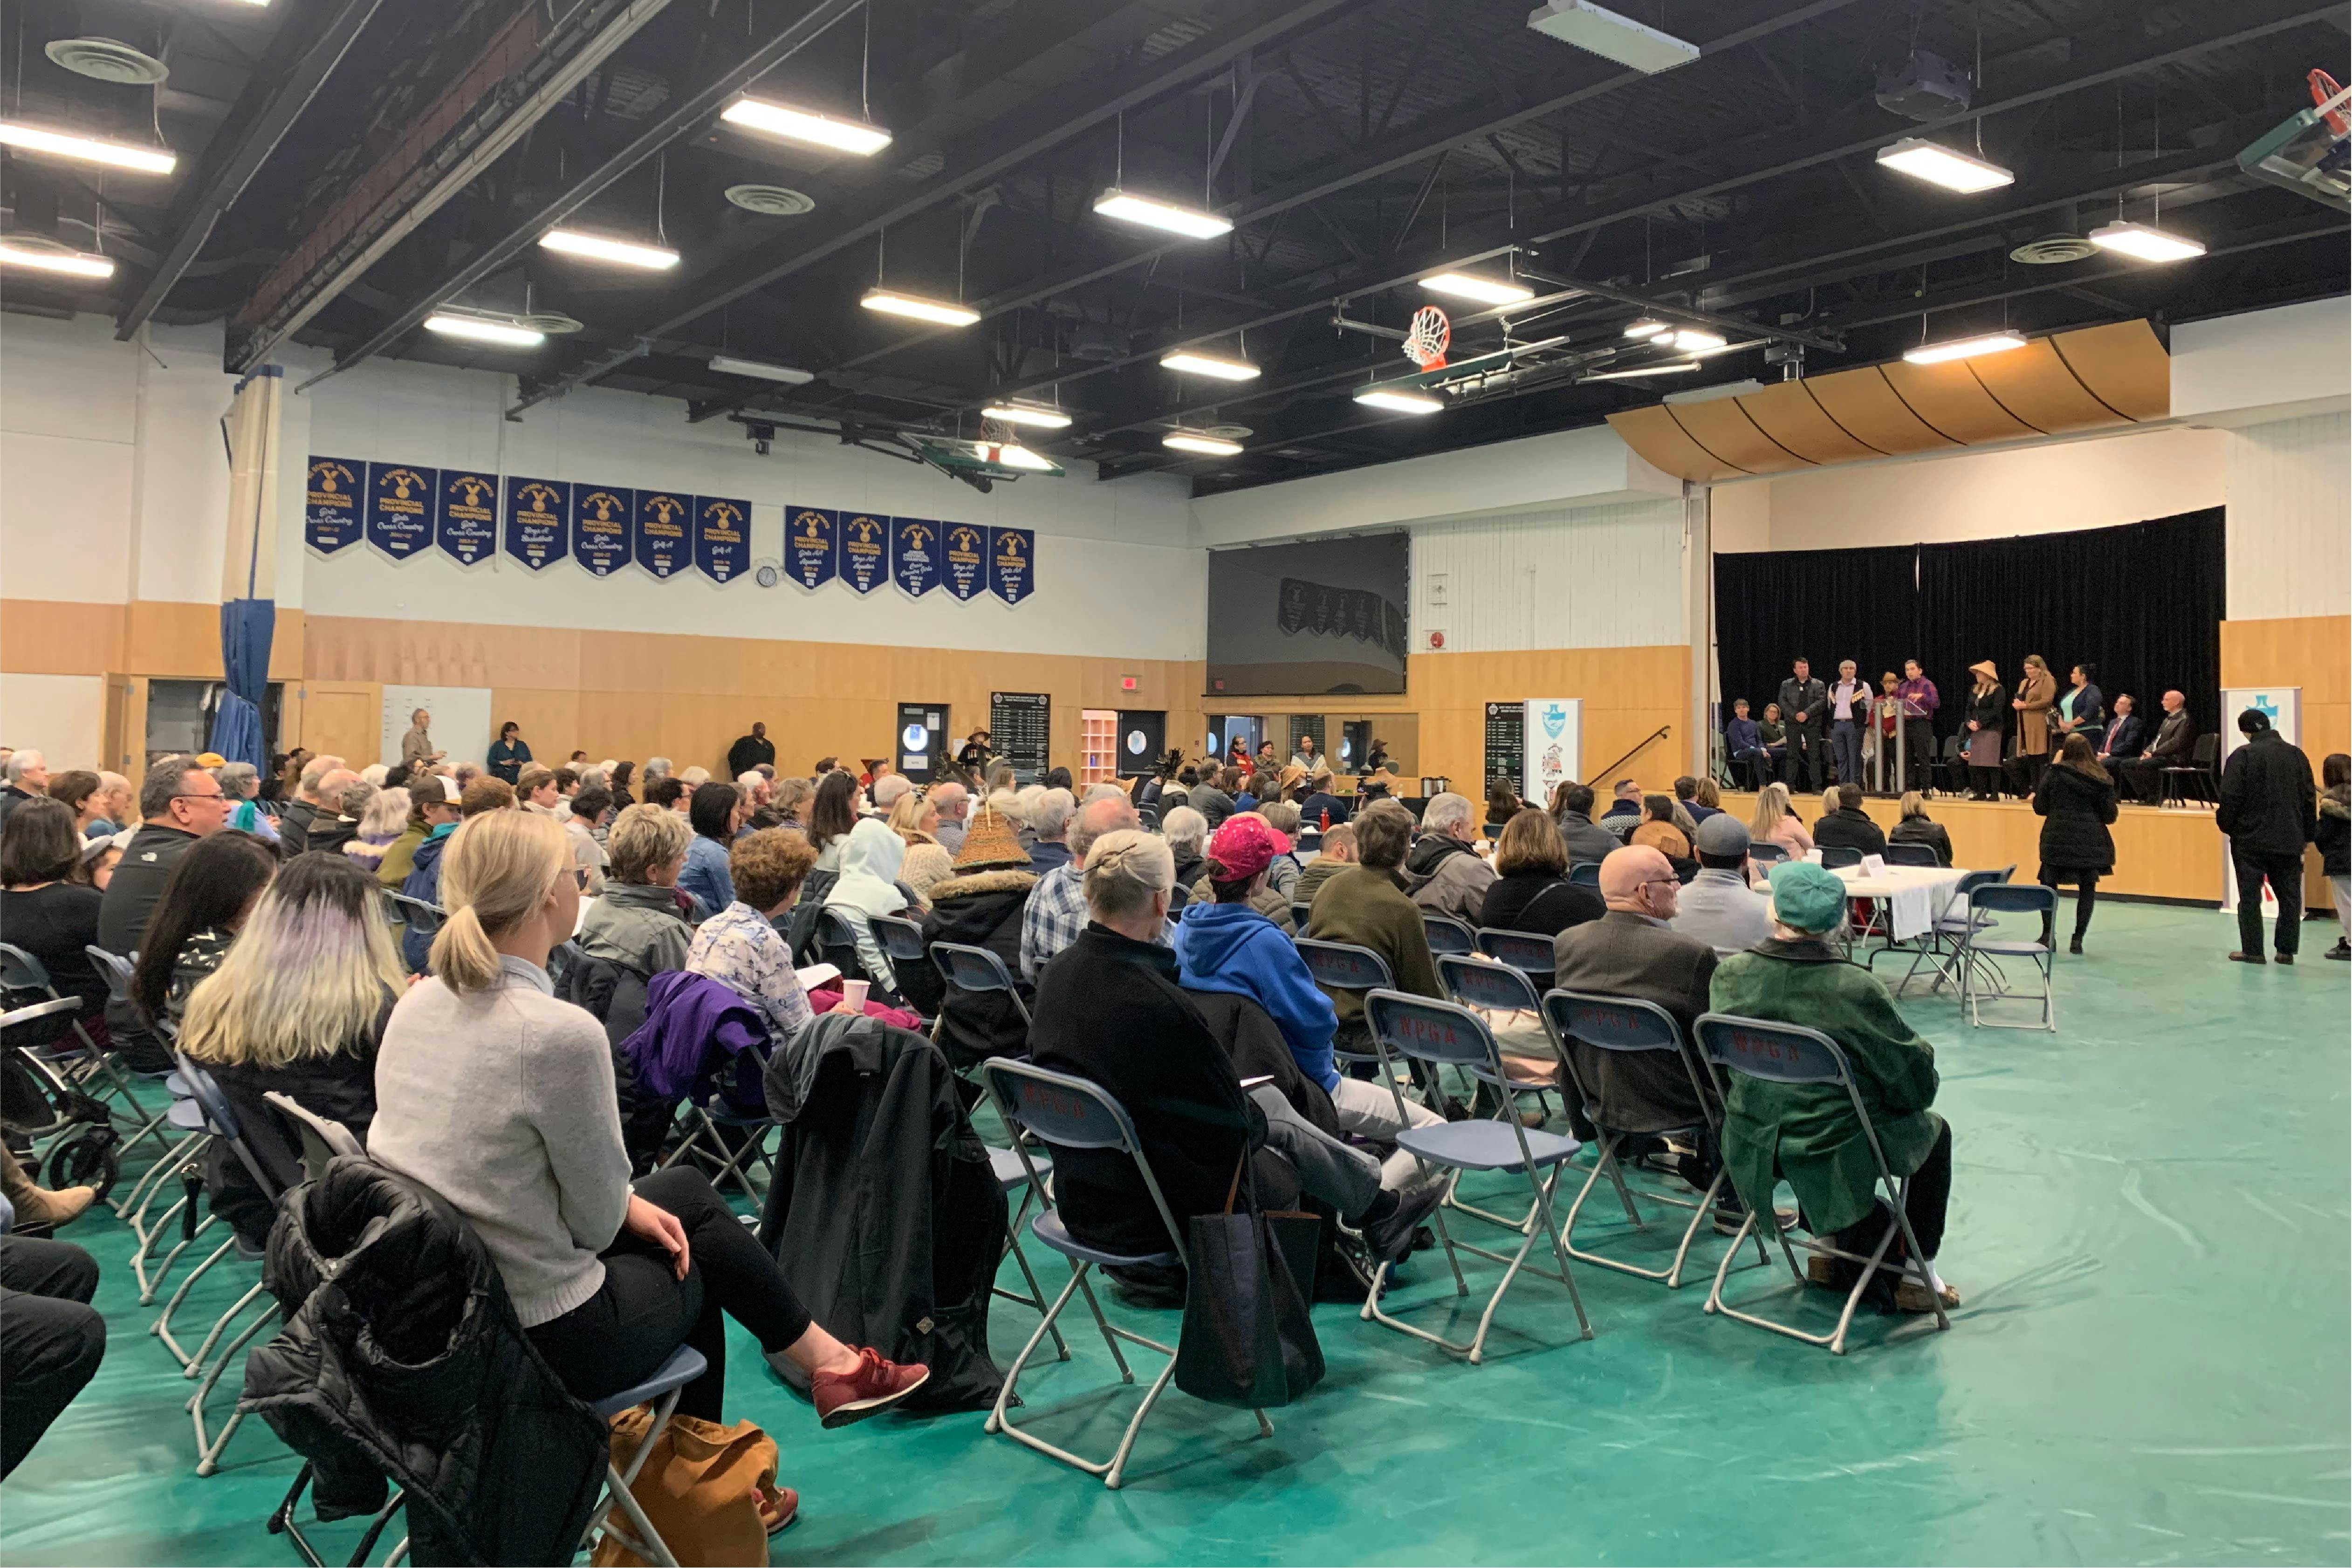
2076, 803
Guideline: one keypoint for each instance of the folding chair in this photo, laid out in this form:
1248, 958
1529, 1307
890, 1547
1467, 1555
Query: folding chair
2174, 783
1912, 854
1447, 935
1626, 1026
1835, 857
1996, 899
422, 920
1070, 1112
1342, 967
1529, 953
838, 931
24, 976
1442, 1033
902, 943
709, 1117
1497, 988
1148, 818
223, 1122
1765, 852
1787, 1053
1298, 916
1013, 1176
82, 1146
976, 970
116, 970
1941, 945
1585, 873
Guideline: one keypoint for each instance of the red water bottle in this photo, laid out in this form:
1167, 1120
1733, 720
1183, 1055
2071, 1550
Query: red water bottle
1327, 819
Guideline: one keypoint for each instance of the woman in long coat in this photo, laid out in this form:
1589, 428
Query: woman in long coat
2037, 693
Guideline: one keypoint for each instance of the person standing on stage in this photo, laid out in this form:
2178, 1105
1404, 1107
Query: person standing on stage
976, 754
1988, 716
2037, 693
1802, 699
1849, 710
1920, 700
2270, 810
750, 751
2175, 746
2080, 709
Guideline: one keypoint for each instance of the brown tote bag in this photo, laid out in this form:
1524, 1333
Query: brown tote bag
700, 1487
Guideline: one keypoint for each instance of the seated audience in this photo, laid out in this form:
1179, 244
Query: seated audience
382, 820
1659, 830
1213, 797
1698, 799
180, 803
636, 921
537, 790
740, 946
928, 861
501, 1099
1571, 812
1318, 808
1776, 821
981, 905
715, 811
1849, 826
1743, 743
27, 773
1444, 874
2076, 803
1807, 1133
81, 792
45, 910
1187, 833
1531, 892
206, 903
790, 804
589, 856
51, 1340
303, 808
1056, 911
296, 1007
343, 795
1049, 820
670, 793
952, 802
1624, 813
1366, 907
484, 797
433, 803
888, 790
1502, 803
241, 782
1718, 907
1336, 855
832, 814
622, 784
867, 888
1918, 828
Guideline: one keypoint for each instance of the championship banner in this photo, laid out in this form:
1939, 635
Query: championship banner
1292, 614
659, 533
722, 535
967, 559
330, 504
599, 528
400, 508
812, 545
1012, 563
467, 524
865, 551
539, 521
915, 554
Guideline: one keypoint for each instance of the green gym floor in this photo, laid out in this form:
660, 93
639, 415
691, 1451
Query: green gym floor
2149, 1226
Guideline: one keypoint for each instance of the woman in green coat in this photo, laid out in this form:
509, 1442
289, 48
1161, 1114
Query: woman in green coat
1807, 1132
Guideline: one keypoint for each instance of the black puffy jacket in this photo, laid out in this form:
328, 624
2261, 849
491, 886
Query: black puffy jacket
2076, 810
980, 909
402, 1357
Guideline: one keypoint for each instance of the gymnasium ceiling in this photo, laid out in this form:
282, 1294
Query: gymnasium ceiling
347, 166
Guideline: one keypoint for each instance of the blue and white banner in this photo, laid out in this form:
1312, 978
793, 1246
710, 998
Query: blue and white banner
400, 508
330, 504
865, 550
539, 521
600, 528
466, 525
812, 545
660, 532
915, 554
967, 558
1012, 563
722, 535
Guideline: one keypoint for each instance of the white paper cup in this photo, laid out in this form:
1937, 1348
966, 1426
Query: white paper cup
853, 992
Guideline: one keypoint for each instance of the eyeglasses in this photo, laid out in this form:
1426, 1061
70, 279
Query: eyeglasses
200, 795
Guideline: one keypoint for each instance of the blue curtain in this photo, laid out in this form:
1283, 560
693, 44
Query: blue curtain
246, 627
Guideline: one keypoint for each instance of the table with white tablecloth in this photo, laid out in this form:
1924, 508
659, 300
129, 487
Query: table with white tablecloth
1916, 896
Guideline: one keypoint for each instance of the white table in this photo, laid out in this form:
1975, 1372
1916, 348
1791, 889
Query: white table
1915, 895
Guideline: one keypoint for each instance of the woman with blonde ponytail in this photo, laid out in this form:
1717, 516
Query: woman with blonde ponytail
501, 1099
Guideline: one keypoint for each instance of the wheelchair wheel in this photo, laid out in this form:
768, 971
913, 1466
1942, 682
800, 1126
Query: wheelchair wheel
87, 1158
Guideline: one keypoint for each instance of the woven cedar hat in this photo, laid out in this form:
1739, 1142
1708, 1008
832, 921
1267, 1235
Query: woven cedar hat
989, 844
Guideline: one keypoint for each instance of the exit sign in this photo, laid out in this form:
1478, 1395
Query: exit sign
1127, 683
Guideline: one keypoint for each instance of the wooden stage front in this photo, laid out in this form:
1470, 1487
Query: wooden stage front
2161, 852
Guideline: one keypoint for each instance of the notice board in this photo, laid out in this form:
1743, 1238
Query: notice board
1019, 725
1507, 741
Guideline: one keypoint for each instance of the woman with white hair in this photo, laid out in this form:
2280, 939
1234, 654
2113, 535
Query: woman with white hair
241, 782
383, 820
1187, 833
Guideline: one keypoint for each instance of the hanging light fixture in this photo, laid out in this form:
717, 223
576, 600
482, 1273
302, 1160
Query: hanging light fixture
2145, 242
806, 127
1690, 339
602, 248
727, 364
18, 250
890, 302
86, 149
1649, 326
1400, 399
1471, 286
503, 330
1044, 418
1963, 347
1939, 165
1206, 446
1671, 368
1153, 213
1191, 362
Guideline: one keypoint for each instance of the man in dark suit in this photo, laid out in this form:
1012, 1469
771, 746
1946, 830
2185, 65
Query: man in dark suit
2174, 746
1849, 826
1802, 703
2126, 736
2270, 812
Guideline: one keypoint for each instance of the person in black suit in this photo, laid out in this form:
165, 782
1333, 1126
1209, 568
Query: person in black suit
1848, 825
1804, 701
2270, 810
2125, 736
2174, 746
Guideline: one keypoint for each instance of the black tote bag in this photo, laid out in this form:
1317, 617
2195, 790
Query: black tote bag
1247, 1340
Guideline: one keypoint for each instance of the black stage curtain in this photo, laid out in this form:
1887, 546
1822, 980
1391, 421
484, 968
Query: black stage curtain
2142, 602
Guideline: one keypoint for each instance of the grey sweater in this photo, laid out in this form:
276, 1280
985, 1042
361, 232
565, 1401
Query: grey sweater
503, 1102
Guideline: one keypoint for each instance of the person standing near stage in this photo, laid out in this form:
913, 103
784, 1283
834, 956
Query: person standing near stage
1802, 699
1988, 716
2080, 707
2037, 694
1920, 700
751, 752
2270, 810
1848, 709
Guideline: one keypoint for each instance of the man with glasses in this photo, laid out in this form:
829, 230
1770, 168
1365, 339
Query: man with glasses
179, 802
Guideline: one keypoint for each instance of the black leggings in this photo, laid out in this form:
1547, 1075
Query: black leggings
2087, 896
1985, 783
1925, 1200
619, 1336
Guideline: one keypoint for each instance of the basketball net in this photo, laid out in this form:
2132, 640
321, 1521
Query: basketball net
1425, 341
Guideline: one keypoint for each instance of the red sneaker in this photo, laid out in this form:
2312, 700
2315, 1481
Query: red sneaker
843, 1397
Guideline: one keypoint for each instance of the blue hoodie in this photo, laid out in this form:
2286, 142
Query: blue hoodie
1232, 947
425, 884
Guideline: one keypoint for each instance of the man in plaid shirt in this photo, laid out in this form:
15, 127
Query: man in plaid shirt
1057, 904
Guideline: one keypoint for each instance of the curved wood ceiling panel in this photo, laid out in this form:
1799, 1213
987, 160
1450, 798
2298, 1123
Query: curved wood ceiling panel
1723, 428
1667, 447
2123, 365
1866, 406
1788, 412
2035, 384
1949, 397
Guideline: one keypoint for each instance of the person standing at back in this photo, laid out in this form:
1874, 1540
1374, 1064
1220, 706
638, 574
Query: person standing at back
1802, 700
508, 755
750, 751
416, 746
2270, 810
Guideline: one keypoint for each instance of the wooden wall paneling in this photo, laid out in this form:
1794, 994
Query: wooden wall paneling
550, 720
45, 637
2313, 651
1949, 397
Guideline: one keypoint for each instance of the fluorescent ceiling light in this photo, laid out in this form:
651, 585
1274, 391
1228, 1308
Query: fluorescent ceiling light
88, 149
1470, 286
800, 125
597, 248
1963, 347
1648, 327
728, 365
921, 309
41, 258
1153, 213
1691, 340
1611, 37
1186, 362
1028, 413
2142, 243
1672, 368
1207, 445
1941, 166
1015, 456
1400, 399
484, 329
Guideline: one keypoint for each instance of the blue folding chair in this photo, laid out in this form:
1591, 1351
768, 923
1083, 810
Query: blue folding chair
1836, 857
902, 943
661, 1391
1585, 873
1066, 1112
1528, 953
978, 970
1787, 1053
1940, 949
1912, 854
1766, 852
1629, 1027
1299, 914
1444, 1034
1343, 967
1980, 984
1447, 935
1497, 988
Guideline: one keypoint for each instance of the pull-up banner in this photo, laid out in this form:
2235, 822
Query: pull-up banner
722, 535
539, 521
1012, 563
466, 527
330, 504
865, 550
812, 545
915, 554
600, 528
659, 534
400, 508
967, 559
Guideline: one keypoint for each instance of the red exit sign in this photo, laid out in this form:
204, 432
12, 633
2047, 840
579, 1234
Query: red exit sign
1127, 683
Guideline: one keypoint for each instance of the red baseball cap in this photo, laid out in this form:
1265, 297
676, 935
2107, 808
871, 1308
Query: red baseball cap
1246, 845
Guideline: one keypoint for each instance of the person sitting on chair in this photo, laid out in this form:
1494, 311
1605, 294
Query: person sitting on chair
1367, 907
1571, 812
1718, 907
1337, 853
1743, 743
1849, 826
2125, 736
1807, 1132
1444, 874
2175, 746
1918, 828
1531, 892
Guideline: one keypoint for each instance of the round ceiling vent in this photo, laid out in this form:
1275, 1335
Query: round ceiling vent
1229, 432
104, 59
771, 201
2050, 250
550, 322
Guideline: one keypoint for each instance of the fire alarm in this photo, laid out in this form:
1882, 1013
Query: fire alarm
1436, 640
1127, 683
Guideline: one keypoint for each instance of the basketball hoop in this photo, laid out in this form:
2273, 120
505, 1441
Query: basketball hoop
1424, 343
2324, 93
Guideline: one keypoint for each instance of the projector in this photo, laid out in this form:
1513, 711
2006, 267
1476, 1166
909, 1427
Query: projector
1925, 86
1611, 35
